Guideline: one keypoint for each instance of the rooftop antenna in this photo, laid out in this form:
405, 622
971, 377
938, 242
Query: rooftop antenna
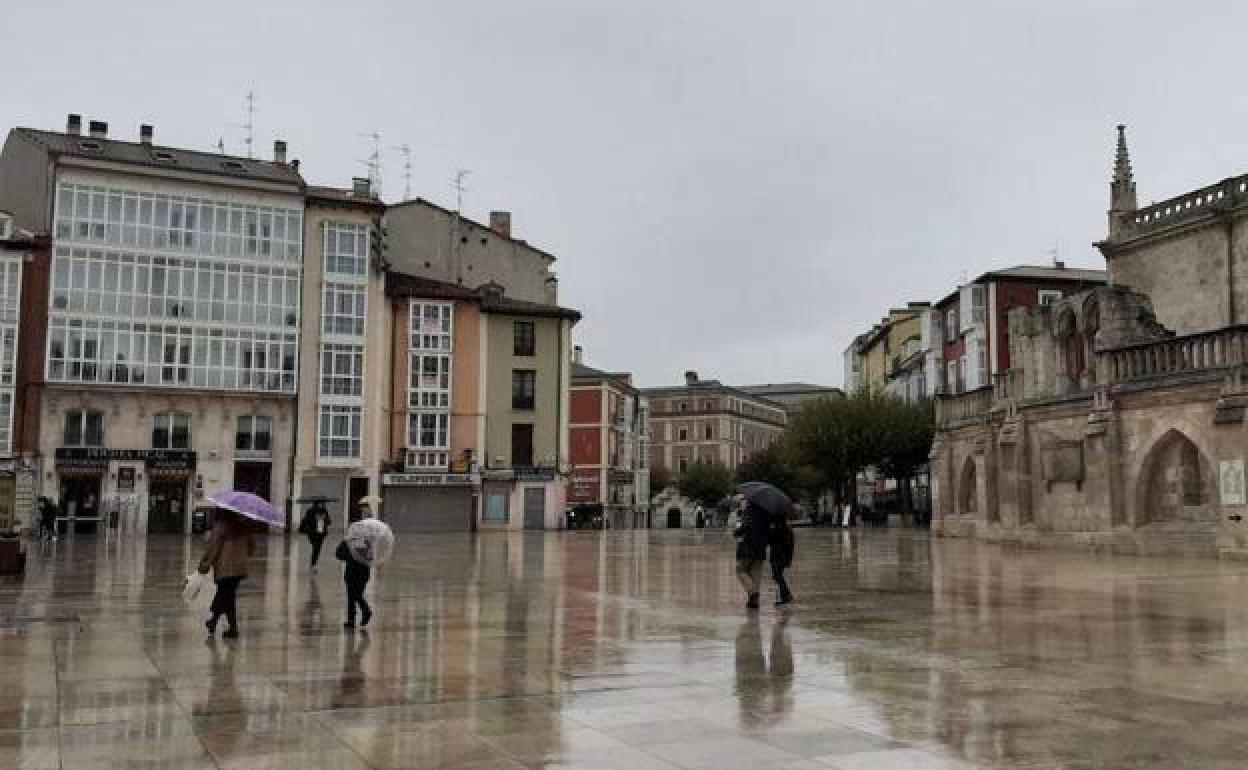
221, 145
406, 151
456, 238
1055, 253
374, 162
249, 127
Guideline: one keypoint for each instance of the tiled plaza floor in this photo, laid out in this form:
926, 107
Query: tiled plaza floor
630, 651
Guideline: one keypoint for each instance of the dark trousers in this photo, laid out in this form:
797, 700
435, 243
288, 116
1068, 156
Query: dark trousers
317, 541
777, 574
355, 597
224, 602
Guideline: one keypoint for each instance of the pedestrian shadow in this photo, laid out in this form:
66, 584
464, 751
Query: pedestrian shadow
764, 683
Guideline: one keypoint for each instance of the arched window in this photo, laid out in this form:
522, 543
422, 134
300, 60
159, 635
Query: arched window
968, 492
1176, 483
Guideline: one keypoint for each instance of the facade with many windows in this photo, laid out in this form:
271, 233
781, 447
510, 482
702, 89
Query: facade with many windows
609, 452
345, 357
172, 298
479, 425
15, 250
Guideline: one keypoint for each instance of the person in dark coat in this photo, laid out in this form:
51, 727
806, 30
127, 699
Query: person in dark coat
752, 533
780, 547
229, 549
315, 525
355, 575
47, 519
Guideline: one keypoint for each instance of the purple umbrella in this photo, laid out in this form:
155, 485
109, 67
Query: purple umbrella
248, 505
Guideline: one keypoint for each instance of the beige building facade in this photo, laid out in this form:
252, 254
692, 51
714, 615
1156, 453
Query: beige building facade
173, 322
705, 421
344, 374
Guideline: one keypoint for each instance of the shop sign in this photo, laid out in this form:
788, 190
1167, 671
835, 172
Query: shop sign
428, 479
100, 457
535, 474
620, 477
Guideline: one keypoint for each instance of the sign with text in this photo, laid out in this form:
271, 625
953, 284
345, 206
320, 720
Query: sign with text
100, 457
428, 479
1231, 481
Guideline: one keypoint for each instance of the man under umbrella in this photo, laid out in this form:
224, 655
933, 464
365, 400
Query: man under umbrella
765, 524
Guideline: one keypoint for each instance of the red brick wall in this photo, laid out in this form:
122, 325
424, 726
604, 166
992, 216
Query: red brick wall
586, 445
32, 335
586, 405
1014, 294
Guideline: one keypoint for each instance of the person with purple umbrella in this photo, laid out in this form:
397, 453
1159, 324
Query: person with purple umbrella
239, 517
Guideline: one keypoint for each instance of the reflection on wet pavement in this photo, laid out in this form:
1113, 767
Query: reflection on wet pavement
630, 650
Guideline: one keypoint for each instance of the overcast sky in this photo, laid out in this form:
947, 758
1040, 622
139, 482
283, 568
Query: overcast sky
733, 187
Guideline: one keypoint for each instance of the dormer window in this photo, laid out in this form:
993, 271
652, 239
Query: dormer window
6, 227
233, 165
163, 157
89, 145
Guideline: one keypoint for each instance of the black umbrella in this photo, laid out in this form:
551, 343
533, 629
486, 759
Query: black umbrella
767, 497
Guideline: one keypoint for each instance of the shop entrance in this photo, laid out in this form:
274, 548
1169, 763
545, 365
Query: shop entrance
358, 491
166, 506
80, 505
255, 478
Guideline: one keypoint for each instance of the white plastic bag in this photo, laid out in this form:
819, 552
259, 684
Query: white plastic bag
194, 586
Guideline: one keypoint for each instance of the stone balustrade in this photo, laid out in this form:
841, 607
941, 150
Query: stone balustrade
1207, 351
963, 408
1188, 205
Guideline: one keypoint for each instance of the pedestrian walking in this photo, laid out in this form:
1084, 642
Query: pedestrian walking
355, 574
229, 549
780, 552
315, 525
47, 519
752, 535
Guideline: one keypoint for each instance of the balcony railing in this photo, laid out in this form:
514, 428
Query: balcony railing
1192, 353
963, 408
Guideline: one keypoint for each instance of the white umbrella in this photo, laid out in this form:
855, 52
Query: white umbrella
370, 541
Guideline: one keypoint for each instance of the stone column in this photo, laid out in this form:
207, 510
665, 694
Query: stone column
1102, 485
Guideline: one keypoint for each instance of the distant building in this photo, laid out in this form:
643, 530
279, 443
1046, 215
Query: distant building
172, 323
792, 395
610, 453
968, 331
432, 242
707, 421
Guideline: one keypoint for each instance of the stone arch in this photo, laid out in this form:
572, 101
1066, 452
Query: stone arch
1175, 485
968, 488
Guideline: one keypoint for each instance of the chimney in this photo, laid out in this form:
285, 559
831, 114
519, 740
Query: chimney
578, 354
500, 222
73, 125
1060, 265
691, 378
279, 151
294, 164
98, 129
361, 187
145, 134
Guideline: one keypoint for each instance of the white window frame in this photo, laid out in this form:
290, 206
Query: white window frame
979, 304
82, 427
341, 369
345, 248
1048, 296
327, 437
344, 310
430, 340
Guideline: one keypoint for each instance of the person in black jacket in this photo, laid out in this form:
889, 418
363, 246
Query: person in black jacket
355, 575
315, 525
752, 533
780, 544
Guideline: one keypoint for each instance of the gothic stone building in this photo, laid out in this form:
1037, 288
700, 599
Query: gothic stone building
1120, 422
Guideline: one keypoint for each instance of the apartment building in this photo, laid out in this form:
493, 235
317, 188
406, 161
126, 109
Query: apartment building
610, 452
708, 421
172, 320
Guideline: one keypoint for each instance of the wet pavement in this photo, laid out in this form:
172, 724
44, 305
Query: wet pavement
630, 651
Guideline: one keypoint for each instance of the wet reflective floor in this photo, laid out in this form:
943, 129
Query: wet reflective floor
630, 651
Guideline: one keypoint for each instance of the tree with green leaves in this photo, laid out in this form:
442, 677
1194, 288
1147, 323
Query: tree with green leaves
706, 483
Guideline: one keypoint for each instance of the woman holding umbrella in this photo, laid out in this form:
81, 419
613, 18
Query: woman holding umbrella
240, 516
